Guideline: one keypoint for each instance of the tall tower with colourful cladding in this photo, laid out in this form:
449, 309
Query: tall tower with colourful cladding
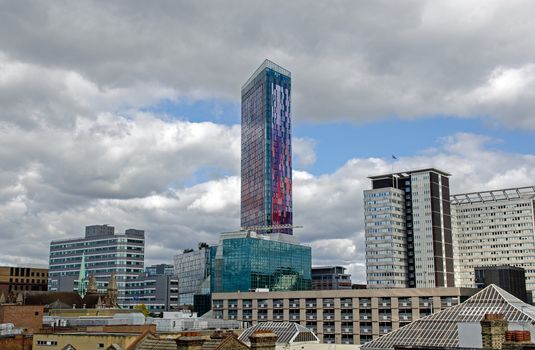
266, 148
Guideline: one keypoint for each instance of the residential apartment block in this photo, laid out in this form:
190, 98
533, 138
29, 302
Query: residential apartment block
266, 148
339, 316
494, 228
408, 230
104, 252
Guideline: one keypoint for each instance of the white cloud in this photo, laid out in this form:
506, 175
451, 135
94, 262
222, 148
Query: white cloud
303, 151
40, 201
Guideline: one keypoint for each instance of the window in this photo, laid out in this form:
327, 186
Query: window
47, 343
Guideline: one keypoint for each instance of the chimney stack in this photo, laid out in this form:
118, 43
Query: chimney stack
263, 340
190, 341
493, 328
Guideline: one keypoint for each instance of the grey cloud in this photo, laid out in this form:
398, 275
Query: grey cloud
355, 61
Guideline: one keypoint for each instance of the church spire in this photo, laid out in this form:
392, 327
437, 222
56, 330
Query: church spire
81, 277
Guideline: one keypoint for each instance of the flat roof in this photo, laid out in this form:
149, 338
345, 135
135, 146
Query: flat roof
505, 194
348, 293
409, 172
267, 64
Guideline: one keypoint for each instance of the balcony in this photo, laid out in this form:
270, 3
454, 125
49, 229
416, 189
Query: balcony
385, 317
347, 317
328, 329
328, 316
405, 318
278, 305
294, 317
311, 305
347, 305
277, 317
347, 330
311, 317
386, 330
365, 317
365, 330
247, 306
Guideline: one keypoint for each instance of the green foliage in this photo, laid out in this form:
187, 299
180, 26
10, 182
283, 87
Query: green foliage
142, 308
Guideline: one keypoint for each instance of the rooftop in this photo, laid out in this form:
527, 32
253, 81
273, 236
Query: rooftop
441, 329
287, 332
493, 195
267, 64
409, 172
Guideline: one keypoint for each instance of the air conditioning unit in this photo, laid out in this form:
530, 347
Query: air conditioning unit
364, 304
405, 317
311, 305
277, 305
346, 305
328, 305
426, 304
404, 304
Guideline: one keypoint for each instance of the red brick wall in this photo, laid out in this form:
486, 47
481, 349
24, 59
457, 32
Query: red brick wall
27, 317
17, 343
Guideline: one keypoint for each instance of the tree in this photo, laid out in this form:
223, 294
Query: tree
142, 308
188, 250
203, 245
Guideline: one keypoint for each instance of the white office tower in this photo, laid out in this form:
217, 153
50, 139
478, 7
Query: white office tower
494, 228
408, 230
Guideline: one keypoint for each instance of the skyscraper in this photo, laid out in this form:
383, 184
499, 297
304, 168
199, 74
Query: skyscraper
266, 148
408, 230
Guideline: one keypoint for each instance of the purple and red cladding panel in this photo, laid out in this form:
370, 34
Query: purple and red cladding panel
266, 187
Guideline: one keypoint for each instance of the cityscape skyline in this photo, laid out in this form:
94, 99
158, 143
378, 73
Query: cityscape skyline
144, 133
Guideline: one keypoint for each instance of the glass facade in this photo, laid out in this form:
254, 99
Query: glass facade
266, 165
245, 263
192, 269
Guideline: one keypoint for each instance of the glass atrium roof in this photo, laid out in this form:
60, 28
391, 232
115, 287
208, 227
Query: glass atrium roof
287, 332
441, 330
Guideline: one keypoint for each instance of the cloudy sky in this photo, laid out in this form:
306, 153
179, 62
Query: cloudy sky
127, 112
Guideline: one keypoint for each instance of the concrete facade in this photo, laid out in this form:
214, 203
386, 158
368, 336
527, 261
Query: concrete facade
339, 316
17, 279
408, 230
494, 228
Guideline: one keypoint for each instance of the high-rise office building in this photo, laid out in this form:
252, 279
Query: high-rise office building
408, 230
266, 148
104, 252
247, 261
157, 289
494, 228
